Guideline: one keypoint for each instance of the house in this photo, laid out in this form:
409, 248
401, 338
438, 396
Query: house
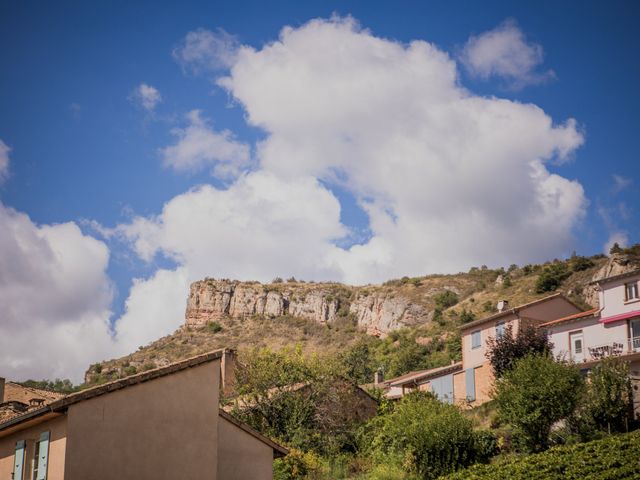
470, 382
16, 399
611, 329
162, 424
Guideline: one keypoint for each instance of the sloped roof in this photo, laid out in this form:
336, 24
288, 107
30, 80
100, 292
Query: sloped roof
515, 310
14, 392
576, 316
426, 374
278, 450
613, 278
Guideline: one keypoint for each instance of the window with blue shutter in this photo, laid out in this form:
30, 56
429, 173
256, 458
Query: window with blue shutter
42, 457
476, 339
18, 463
499, 329
470, 384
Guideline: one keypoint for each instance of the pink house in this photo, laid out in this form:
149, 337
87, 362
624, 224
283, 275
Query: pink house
470, 382
612, 329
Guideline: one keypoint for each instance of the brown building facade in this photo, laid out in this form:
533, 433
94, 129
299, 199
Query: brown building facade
161, 424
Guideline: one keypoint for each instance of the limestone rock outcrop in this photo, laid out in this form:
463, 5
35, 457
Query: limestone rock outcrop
378, 312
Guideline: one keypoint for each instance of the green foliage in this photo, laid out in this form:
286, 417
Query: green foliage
57, 385
130, 370
615, 248
97, 368
504, 351
466, 316
506, 282
488, 306
445, 299
358, 362
551, 277
607, 400
427, 437
214, 327
536, 393
578, 263
612, 458
296, 465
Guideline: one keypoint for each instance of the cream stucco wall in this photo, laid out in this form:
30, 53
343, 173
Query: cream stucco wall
473, 357
57, 428
594, 333
612, 297
163, 429
241, 456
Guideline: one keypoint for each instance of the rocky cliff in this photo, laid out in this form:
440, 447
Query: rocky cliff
377, 312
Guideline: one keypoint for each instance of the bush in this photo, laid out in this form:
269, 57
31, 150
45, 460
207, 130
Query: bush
504, 351
536, 393
425, 436
608, 397
611, 458
552, 277
578, 263
445, 299
214, 327
466, 316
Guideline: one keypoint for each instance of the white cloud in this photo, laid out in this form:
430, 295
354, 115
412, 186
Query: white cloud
504, 52
54, 298
199, 145
448, 179
146, 96
621, 183
204, 50
4, 161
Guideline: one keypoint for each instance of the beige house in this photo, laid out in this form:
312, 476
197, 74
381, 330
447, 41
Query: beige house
160, 424
470, 382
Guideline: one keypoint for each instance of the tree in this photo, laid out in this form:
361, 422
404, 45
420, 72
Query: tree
551, 277
358, 362
424, 436
536, 393
505, 350
445, 299
608, 397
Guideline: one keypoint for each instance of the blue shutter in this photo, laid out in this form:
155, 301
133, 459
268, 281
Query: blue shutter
470, 383
43, 456
442, 387
18, 464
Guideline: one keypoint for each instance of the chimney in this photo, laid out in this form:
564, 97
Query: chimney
378, 377
503, 305
228, 376
1, 390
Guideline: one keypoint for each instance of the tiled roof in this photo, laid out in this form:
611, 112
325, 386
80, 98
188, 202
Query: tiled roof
569, 318
14, 392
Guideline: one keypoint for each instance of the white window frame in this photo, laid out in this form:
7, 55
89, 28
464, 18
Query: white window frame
500, 327
631, 288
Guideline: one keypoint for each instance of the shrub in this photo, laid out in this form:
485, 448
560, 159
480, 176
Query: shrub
504, 351
424, 435
536, 393
466, 316
615, 248
130, 370
578, 263
445, 299
277, 280
551, 277
607, 401
214, 327
506, 282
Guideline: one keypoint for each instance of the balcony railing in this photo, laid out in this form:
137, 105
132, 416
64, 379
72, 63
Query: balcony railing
614, 349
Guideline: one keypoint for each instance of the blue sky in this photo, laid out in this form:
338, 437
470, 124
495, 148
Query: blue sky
84, 149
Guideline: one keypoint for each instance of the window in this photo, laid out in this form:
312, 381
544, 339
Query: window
18, 463
40, 457
631, 291
499, 329
470, 384
476, 339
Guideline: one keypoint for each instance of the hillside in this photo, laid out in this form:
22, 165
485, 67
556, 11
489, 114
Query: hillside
327, 318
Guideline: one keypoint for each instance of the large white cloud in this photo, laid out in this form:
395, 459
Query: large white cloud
54, 298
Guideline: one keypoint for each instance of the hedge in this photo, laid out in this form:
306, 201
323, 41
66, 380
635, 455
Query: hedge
612, 458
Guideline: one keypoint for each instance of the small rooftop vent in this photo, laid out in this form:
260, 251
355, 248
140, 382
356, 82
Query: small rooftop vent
503, 305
